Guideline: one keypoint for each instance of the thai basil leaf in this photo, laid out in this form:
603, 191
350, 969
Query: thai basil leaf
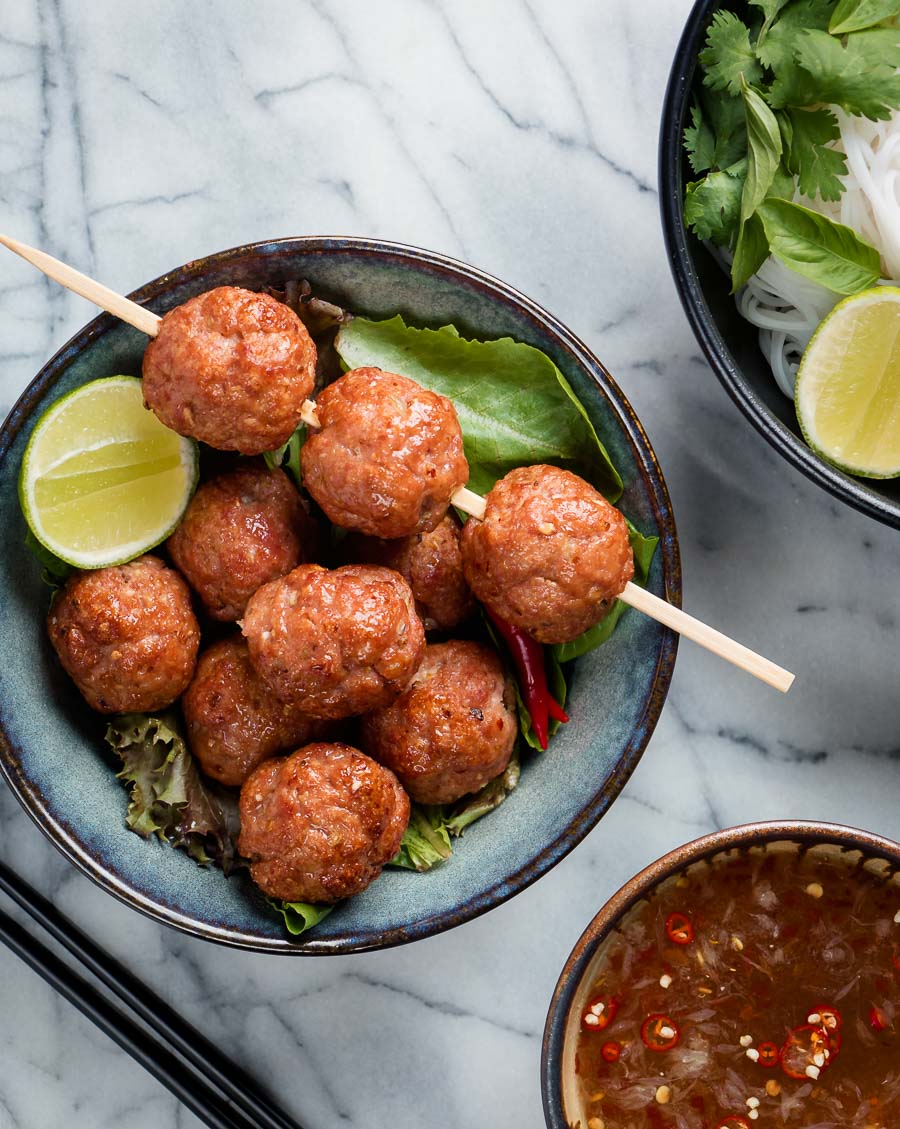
818, 248
764, 151
751, 252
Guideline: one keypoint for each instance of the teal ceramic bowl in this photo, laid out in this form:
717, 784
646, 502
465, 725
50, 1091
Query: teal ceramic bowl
52, 752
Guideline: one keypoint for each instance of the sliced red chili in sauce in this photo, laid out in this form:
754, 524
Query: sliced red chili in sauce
679, 929
611, 1051
829, 1018
659, 1033
877, 1019
768, 1054
803, 1048
733, 1121
599, 1013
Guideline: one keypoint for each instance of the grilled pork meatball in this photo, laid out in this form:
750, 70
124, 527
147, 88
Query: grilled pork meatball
241, 530
126, 635
432, 565
233, 719
452, 730
335, 643
320, 824
231, 368
550, 555
387, 457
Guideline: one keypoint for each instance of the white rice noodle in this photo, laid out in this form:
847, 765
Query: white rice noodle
788, 308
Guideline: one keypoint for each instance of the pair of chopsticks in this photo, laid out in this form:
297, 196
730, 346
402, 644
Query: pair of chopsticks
176, 1054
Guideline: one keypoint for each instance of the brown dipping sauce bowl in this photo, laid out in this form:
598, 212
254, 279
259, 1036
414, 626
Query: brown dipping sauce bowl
560, 1089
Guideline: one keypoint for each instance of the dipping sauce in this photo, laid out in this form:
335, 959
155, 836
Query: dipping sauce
761, 989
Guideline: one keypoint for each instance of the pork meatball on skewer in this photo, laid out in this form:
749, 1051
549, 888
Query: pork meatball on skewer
550, 555
431, 563
233, 720
126, 635
319, 825
241, 530
231, 368
387, 454
453, 729
335, 643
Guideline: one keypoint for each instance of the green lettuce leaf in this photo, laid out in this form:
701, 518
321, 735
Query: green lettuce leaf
288, 455
514, 405
299, 916
168, 796
854, 15
818, 248
728, 55
426, 841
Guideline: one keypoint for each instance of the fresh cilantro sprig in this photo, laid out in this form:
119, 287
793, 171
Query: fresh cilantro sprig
762, 128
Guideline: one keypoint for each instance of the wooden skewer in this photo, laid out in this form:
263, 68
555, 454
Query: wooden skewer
138, 316
466, 500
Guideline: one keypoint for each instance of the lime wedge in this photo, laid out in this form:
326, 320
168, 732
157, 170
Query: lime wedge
848, 385
102, 479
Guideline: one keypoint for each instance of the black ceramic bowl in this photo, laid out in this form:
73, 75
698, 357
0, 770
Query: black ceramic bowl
729, 342
563, 1107
51, 746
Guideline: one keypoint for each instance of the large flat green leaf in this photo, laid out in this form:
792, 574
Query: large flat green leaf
514, 405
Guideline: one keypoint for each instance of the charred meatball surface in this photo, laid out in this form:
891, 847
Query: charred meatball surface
335, 643
126, 635
550, 555
232, 368
453, 729
431, 563
388, 456
233, 720
320, 824
241, 530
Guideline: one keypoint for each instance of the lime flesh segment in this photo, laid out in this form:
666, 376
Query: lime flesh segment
848, 385
102, 480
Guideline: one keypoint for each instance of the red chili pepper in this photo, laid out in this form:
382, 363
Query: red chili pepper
611, 1051
659, 1033
768, 1054
877, 1019
679, 929
599, 1013
733, 1121
528, 657
801, 1049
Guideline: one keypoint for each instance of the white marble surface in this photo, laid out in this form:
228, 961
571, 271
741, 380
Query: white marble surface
521, 136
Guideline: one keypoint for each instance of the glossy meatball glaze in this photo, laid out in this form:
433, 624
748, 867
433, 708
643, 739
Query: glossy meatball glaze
336, 643
388, 456
126, 635
550, 555
453, 729
241, 530
233, 719
320, 824
431, 563
231, 368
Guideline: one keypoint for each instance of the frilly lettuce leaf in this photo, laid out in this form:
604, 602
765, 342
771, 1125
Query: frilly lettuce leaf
169, 797
426, 840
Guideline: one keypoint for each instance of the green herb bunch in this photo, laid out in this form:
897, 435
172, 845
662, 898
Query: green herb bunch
762, 127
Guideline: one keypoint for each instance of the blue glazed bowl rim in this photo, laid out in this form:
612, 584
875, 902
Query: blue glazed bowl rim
679, 248
65, 839
803, 831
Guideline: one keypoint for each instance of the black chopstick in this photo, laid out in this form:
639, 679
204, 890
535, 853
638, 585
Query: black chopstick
192, 1067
